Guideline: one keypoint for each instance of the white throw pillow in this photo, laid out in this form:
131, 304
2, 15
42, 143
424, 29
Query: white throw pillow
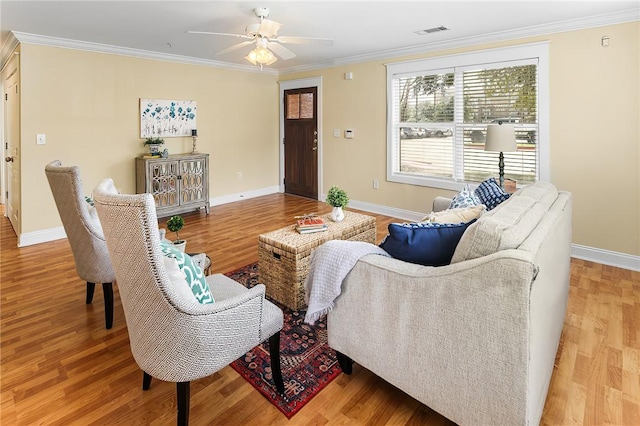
459, 215
178, 279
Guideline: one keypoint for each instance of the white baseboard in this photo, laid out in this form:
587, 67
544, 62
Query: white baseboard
43, 236
407, 215
230, 198
606, 257
593, 254
52, 234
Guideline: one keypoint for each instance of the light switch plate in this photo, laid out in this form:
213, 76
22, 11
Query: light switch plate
41, 139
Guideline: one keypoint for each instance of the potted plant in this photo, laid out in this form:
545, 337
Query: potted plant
338, 199
175, 224
154, 145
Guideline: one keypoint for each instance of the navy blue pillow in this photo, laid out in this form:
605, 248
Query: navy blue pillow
427, 243
490, 193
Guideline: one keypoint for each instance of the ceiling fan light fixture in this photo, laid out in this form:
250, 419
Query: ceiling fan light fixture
261, 55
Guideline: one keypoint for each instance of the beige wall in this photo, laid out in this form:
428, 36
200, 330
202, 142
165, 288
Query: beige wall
594, 133
87, 104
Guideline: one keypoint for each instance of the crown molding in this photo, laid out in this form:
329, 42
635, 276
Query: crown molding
7, 49
538, 30
41, 40
532, 31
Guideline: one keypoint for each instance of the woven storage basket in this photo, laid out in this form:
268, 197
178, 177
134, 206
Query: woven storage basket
284, 254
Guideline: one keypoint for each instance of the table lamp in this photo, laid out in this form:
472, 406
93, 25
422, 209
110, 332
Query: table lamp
501, 137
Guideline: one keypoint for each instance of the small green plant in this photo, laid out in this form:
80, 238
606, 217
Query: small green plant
337, 197
175, 224
154, 141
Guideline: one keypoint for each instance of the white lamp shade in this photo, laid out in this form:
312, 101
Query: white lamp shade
501, 137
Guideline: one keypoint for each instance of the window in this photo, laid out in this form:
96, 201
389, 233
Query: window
439, 109
299, 105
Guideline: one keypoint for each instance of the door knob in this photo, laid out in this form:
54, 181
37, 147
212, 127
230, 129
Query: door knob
8, 159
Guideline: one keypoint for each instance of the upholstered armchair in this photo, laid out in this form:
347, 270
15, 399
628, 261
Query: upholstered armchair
81, 224
174, 337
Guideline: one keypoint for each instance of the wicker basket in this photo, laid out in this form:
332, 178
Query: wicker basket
284, 254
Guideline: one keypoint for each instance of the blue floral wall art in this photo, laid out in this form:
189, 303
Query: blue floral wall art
166, 118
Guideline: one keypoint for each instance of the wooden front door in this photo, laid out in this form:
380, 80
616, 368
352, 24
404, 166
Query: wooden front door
301, 142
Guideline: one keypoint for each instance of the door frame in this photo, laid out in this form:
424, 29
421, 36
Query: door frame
3, 176
301, 84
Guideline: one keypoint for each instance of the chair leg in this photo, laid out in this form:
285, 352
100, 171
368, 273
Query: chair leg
274, 352
346, 363
146, 380
107, 290
183, 403
90, 288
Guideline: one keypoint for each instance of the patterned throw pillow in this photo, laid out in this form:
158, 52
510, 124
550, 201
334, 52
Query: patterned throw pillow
426, 243
192, 273
490, 193
465, 198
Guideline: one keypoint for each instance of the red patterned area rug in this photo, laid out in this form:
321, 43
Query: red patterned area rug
308, 364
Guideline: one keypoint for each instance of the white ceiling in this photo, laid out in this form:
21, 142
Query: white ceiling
360, 29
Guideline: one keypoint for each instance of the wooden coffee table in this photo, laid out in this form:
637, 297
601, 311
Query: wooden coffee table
284, 254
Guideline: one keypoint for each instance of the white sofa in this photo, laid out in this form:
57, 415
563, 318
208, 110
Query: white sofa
474, 340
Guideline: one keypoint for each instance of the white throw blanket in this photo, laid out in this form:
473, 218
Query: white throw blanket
329, 265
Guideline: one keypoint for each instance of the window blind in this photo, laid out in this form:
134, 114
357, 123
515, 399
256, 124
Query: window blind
439, 121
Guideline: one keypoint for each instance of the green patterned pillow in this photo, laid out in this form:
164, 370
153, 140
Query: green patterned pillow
192, 273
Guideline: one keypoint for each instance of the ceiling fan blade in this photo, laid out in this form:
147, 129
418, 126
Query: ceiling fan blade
223, 34
234, 47
304, 40
269, 28
281, 51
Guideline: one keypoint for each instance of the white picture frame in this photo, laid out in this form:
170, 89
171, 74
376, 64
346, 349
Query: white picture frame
167, 118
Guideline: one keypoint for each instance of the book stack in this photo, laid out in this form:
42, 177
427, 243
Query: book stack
310, 224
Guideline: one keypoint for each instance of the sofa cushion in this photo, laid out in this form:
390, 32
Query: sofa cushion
543, 192
194, 278
508, 225
465, 198
426, 243
490, 193
463, 214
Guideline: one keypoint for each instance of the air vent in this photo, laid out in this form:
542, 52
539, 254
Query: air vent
431, 30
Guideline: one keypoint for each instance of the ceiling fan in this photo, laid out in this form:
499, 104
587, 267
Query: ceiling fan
265, 36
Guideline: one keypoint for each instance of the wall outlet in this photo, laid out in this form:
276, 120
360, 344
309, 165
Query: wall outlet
375, 184
239, 175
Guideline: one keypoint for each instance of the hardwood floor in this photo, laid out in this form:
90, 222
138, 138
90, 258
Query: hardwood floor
60, 366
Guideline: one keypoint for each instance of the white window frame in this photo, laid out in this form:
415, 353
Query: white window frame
539, 51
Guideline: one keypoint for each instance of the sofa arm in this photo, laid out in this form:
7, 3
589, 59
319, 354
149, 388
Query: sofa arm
433, 331
441, 203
